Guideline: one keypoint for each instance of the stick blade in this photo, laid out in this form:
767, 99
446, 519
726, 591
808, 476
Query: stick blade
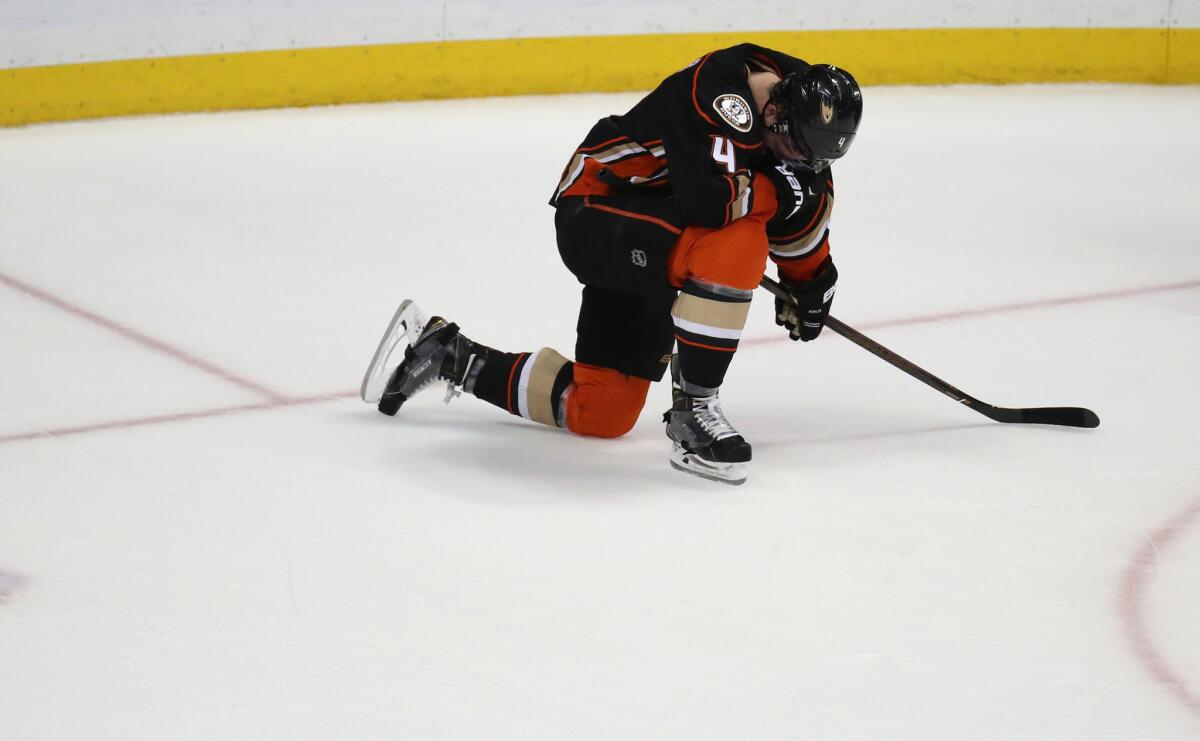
1061, 416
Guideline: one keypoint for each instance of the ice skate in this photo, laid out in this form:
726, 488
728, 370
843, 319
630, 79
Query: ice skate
402, 332
439, 352
704, 443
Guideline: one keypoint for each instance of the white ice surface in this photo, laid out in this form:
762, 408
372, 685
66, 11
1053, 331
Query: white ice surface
897, 567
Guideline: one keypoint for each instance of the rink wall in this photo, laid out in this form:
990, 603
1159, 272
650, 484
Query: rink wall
71, 59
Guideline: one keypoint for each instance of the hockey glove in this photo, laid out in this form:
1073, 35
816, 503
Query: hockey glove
805, 318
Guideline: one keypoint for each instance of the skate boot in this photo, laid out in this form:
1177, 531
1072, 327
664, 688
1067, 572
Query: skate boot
441, 353
434, 350
704, 443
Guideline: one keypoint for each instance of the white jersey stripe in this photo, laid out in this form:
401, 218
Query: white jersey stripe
570, 179
706, 330
607, 156
619, 152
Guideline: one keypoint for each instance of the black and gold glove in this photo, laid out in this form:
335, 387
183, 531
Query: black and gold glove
806, 317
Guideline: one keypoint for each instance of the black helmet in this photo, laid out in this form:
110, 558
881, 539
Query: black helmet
820, 109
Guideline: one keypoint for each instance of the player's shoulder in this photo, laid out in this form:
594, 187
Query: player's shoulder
760, 58
720, 88
721, 94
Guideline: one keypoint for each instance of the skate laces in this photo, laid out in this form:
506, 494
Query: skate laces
707, 410
452, 389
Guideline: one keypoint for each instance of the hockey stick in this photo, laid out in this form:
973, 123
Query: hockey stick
1066, 416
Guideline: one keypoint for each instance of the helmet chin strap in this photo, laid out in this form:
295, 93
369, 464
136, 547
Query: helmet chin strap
781, 127
813, 165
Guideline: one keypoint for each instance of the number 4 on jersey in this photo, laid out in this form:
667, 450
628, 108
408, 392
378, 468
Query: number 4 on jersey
724, 153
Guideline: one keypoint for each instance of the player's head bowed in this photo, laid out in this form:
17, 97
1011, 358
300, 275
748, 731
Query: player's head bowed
818, 111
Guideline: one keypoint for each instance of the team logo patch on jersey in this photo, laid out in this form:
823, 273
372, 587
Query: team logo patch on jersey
735, 110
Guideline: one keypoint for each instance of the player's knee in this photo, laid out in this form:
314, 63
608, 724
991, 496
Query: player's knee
744, 276
734, 256
607, 424
742, 263
604, 402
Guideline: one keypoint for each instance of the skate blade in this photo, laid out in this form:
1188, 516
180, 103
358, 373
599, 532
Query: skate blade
726, 473
406, 326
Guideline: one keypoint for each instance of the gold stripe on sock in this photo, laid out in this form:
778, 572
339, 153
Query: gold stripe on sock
541, 386
718, 314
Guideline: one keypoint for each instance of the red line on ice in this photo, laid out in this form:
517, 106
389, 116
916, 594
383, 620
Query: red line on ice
1002, 308
1137, 577
9, 583
1133, 604
178, 417
277, 400
136, 336
1044, 303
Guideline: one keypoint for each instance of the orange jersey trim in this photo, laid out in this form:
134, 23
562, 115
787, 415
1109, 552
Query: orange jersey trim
587, 201
706, 347
511, 374
695, 83
764, 59
805, 268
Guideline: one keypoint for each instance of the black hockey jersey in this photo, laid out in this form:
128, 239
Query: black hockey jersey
697, 135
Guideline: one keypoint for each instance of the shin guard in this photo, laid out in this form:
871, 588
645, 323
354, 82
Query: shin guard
709, 319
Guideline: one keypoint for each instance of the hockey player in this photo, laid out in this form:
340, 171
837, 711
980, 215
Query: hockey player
667, 215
